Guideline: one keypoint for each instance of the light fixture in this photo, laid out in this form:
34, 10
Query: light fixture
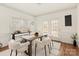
38, 3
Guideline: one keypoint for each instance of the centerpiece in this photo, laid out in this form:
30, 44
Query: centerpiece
74, 37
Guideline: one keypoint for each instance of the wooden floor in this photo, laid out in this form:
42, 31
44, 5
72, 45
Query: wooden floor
4, 48
68, 50
65, 50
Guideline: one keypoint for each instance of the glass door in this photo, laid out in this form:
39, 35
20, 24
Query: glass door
54, 28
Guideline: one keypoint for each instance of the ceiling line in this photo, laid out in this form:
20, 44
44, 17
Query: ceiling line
16, 10
57, 11
40, 14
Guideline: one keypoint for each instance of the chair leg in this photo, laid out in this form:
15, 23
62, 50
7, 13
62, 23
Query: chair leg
49, 49
45, 50
52, 43
35, 48
11, 52
16, 52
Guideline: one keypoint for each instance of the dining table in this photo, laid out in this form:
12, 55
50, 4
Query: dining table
30, 38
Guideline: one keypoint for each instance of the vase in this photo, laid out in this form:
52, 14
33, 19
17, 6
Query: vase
74, 43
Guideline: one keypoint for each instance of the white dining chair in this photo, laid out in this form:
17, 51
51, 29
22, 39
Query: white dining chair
56, 48
42, 44
23, 47
17, 46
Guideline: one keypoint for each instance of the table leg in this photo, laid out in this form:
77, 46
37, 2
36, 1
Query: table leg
45, 50
30, 49
16, 52
11, 52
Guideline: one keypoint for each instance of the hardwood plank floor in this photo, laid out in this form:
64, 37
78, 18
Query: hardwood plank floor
4, 48
65, 50
68, 50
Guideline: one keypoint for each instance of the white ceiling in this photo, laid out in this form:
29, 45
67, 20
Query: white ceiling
36, 9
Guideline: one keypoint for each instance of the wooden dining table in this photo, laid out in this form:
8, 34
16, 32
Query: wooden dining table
30, 38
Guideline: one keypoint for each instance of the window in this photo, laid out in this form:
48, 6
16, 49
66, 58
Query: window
54, 24
45, 26
50, 27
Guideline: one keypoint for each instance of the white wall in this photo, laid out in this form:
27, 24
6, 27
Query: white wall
8, 21
78, 23
78, 19
64, 32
